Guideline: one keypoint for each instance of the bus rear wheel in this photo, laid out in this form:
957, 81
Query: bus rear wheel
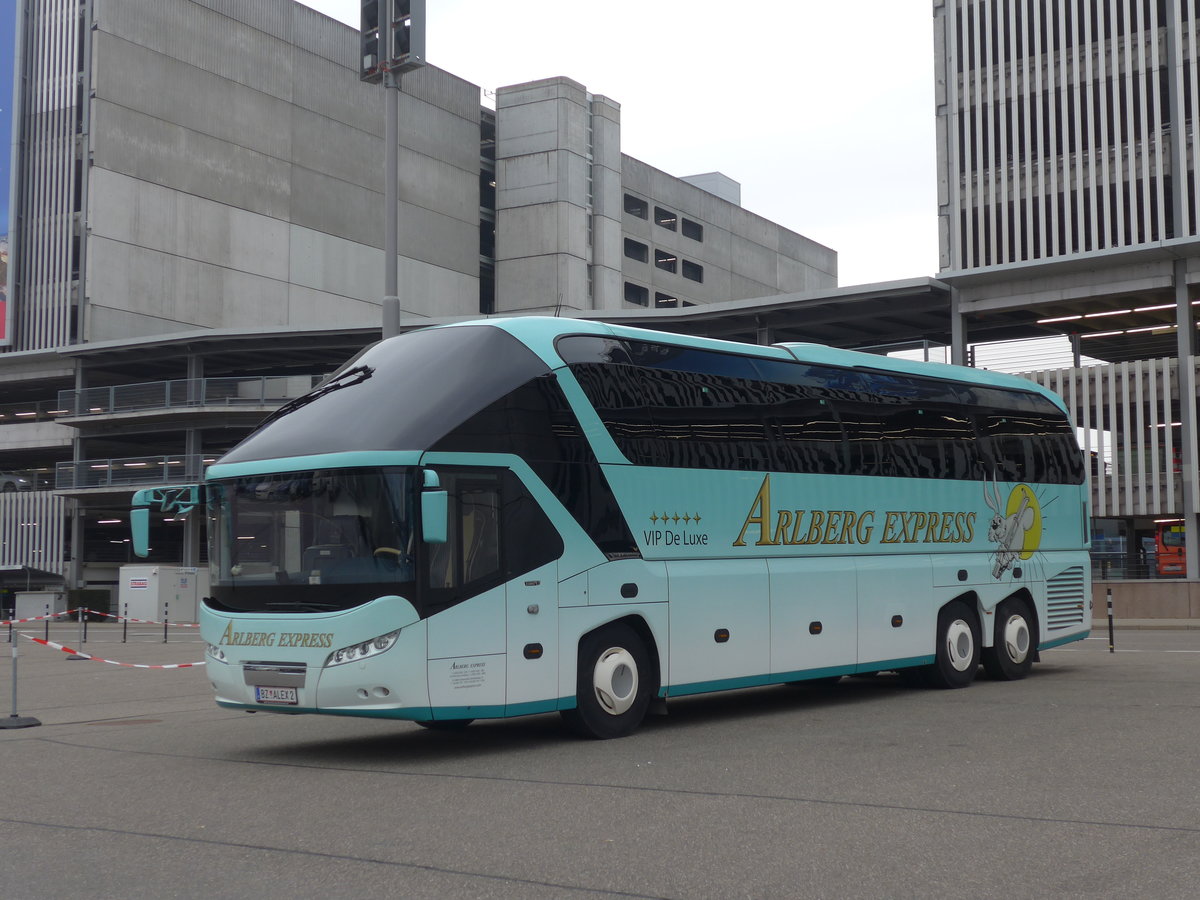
957, 656
613, 685
1011, 655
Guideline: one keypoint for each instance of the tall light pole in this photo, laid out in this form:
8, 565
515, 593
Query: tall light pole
393, 42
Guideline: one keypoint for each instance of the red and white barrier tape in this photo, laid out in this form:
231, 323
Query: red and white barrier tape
34, 619
94, 612
111, 662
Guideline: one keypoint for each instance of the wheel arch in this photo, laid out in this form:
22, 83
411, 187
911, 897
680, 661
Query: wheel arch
969, 599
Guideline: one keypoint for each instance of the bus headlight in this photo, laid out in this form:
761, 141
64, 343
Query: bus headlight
215, 653
363, 650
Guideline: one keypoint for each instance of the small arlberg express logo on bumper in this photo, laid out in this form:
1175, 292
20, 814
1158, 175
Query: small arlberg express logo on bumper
306, 639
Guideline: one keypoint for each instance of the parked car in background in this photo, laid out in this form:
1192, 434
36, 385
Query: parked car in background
11, 482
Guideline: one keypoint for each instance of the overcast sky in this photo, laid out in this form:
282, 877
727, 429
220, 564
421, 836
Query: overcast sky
822, 110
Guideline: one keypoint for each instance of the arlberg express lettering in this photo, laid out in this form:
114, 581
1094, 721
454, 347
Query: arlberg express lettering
794, 527
310, 639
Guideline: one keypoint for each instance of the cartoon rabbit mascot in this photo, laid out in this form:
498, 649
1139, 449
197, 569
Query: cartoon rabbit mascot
1008, 531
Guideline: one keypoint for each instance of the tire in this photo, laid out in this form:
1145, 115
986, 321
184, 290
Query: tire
444, 724
1013, 644
957, 657
613, 685
9, 488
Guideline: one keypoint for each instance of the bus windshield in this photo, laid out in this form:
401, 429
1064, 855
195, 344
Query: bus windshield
345, 535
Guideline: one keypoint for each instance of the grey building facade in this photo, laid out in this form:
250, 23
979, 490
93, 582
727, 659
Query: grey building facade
1068, 202
200, 227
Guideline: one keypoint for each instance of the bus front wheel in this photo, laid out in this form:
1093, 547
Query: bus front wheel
957, 656
1011, 655
613, 684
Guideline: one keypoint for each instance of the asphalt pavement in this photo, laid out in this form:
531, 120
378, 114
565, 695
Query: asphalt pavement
1077, 781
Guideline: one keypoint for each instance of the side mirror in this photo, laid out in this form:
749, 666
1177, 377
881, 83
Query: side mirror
139, 524
435, 510
179, 501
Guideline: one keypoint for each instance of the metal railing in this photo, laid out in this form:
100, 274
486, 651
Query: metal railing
184, 393
129, 471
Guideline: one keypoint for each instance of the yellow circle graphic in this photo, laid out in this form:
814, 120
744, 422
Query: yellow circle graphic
1024, 505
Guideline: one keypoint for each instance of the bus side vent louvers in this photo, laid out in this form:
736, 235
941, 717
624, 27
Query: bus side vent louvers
1065, 602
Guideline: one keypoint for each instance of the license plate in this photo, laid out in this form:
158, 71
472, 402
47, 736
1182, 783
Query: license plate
285, 695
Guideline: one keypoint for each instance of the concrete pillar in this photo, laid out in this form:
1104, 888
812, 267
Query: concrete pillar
191, 525
193, 451
958, 330
543, 197
74, 575
1186, 351
608, 204
765, 335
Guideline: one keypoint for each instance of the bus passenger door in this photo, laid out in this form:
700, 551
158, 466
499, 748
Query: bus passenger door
814, 616
896, 615
720, 624
533, 640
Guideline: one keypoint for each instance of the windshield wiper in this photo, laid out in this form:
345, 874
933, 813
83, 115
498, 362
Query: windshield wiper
357, 375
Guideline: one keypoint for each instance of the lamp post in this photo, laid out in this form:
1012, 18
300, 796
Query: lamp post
393, 42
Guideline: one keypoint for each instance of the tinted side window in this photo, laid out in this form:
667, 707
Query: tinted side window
1032, 447
686, 407
805, 433
708, 421
907, 441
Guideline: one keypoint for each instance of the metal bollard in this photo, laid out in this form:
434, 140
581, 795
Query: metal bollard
166, 619
1111, 647
125, 625
82, 632
15, 720
47, 622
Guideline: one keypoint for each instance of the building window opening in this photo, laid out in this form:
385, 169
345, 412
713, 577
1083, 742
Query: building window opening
665, 218
636, 250
636, 294
665, 261
636, 206
693, 230
693, 271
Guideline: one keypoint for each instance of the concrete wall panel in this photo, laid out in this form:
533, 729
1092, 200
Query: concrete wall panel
177, 290
172, 91
431, 184
154, 217
440, 240
326, 264
536, 230
337, 207
167, 154
307, 308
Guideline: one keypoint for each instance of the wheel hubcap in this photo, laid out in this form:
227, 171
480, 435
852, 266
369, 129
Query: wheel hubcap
615, 680
1016, 638
960, 645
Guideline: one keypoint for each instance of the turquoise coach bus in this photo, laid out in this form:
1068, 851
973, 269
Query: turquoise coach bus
524, 515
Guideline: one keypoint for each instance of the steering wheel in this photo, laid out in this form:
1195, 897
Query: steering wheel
389, 551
